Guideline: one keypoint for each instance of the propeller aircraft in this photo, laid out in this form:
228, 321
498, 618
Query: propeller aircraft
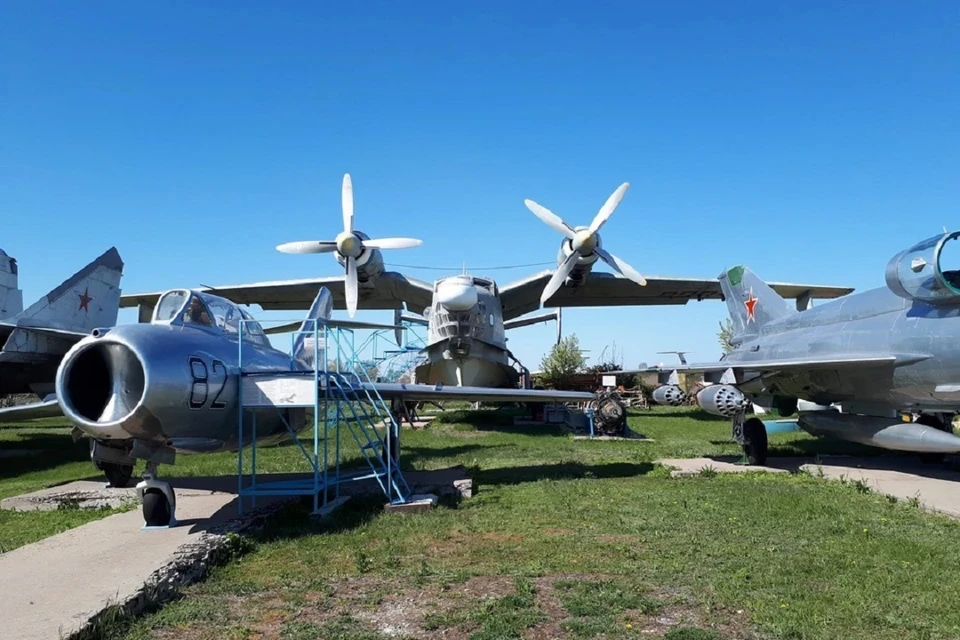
468, 316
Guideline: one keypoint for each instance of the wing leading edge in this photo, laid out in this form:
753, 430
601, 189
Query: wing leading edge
606, 289
786, 364
389, 291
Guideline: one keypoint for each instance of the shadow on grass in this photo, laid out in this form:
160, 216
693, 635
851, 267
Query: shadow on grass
52, 450
560, 471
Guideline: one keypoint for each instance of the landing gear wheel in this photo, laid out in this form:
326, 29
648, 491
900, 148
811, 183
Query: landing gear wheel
118, 475
755, 445
156, 508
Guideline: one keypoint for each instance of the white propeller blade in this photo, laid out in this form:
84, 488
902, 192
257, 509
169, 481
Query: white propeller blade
607, 209
549, 217
392, 243
620, 266
559, 276
350, 285
308, 246
347, 202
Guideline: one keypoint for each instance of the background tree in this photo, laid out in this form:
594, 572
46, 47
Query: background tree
564, 361
613, 362
725, 335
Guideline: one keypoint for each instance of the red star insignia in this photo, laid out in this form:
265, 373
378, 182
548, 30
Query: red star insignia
750, 303
85, 299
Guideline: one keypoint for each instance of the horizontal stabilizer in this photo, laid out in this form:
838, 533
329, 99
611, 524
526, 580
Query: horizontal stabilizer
413, 392
526, 322
342, 324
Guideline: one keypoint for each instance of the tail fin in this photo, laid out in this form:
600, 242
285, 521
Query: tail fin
751, 303
88, 299
11, 298
303, 343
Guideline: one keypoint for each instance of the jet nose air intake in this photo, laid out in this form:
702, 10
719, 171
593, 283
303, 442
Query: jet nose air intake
100, 384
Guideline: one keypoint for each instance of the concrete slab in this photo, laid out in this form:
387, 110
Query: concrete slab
905, 477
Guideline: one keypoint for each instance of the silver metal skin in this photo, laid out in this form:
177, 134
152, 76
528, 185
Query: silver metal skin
879, 354
151, 391
34, 339
465, 348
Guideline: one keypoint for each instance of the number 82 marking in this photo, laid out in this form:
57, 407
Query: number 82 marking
200, 389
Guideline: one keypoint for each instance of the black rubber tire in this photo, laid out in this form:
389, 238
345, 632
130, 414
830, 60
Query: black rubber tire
755, 434
118, 475
156, 508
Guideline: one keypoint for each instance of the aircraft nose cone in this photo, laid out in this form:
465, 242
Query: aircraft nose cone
457, 295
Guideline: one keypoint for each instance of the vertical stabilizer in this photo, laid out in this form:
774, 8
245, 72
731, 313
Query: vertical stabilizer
751, 303
303, 343
11, 298
88, 299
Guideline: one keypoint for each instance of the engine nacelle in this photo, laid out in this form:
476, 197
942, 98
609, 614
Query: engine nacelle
584, 263
917, 273
722, 400
669, 394
369, 262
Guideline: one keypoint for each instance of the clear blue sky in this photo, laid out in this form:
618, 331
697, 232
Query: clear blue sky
809, 140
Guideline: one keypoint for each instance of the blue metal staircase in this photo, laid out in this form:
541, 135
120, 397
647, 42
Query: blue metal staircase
341, 395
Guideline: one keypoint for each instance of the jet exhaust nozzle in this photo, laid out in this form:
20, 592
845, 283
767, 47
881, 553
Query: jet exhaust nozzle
669, 394
100, 385
722, 400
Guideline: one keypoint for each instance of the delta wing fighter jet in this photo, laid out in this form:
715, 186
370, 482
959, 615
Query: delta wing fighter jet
881, 355
467, 315
35, 339
11, 298
151, 391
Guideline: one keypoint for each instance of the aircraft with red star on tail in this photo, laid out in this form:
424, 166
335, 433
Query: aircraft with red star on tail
880, 368
35, 339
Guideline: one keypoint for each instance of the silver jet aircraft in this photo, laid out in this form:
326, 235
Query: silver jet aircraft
151, 391
889, 357
468, 316
35, 339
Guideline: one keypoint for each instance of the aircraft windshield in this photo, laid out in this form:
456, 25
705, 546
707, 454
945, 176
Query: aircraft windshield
170, 303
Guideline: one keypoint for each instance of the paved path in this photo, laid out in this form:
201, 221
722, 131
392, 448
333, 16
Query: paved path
53, 587
905, 477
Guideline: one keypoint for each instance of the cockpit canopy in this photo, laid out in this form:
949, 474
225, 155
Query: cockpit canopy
202, 309
918, 272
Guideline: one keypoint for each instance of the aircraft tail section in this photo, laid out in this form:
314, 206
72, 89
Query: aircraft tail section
751, 303
88, 299
303, 344
11, 298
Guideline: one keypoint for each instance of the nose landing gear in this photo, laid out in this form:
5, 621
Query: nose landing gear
159, 503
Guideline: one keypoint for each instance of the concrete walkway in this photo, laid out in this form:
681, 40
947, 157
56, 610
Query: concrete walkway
936, 488
52, 588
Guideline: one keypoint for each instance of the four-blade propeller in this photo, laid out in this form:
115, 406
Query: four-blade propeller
584, 242
349, 245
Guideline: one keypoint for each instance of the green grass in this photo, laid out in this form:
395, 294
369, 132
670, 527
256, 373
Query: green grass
574, 539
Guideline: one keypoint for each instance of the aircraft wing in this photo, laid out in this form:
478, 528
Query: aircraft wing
607, 289
389, 291
787, 364
45, 409
416, 392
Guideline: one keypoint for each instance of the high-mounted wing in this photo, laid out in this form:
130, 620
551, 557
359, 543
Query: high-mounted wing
389, 291
609, 290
